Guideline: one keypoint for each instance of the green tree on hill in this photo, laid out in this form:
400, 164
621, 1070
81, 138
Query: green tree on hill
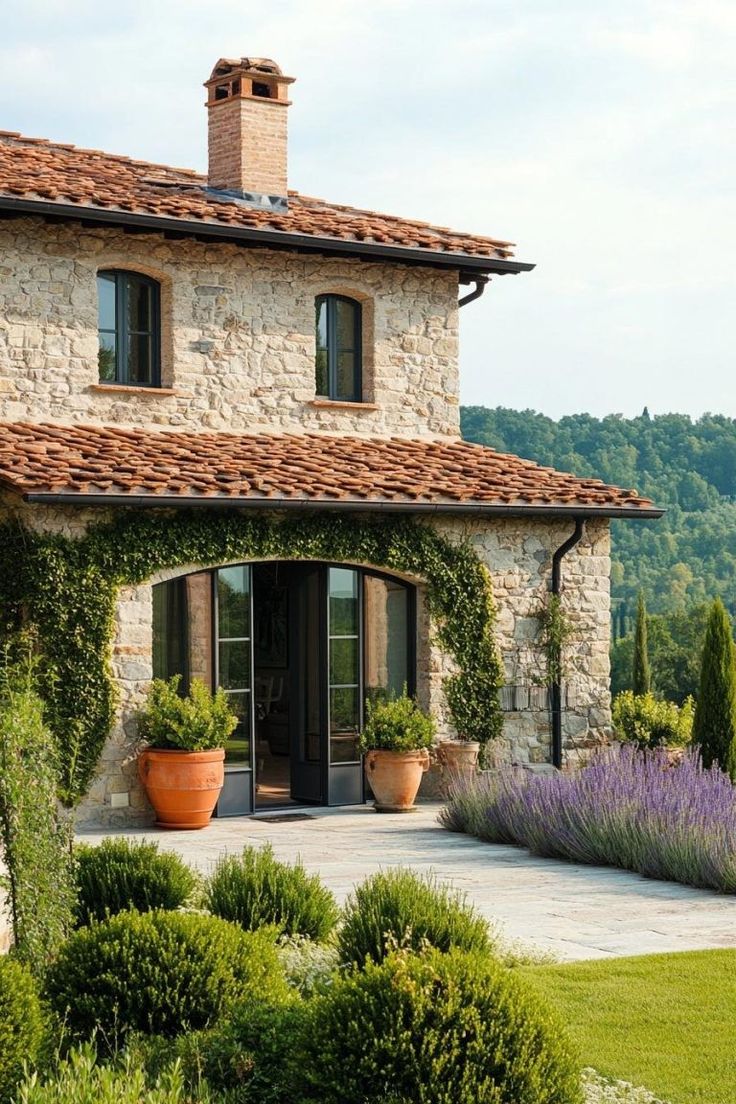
714, 726
641, 674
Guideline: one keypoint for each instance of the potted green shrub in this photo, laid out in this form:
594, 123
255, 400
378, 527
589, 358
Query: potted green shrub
395, 740
182, 766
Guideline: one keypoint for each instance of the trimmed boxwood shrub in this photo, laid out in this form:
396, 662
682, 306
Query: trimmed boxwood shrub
124, 874
436, 1029
255, 889
400, 909
253, 1056
21, 1024
159, 973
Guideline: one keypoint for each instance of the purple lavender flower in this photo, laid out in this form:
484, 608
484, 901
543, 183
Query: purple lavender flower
627, 808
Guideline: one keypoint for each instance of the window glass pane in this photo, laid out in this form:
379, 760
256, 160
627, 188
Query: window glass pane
343, 661
346, 315
344, 724
171, 631
386, 617
235, 664
233, 601
139, 305
321, 362
347, 377
343, 584
106, 357
139, 359
106, 298
322, 373
344, 709
237, 748
321, 323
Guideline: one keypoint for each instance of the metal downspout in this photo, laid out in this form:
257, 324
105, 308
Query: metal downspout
556, 686
480, 287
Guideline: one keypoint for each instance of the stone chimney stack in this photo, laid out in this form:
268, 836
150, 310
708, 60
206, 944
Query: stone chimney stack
247, 139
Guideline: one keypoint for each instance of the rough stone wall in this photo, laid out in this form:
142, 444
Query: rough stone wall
518, 553
238, 341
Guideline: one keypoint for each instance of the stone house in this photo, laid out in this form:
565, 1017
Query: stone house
255, 393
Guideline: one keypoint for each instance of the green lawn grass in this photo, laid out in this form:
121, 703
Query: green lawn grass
667, 1022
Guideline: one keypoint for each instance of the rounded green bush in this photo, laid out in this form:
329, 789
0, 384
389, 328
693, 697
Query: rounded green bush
252, 1056
254, 889
21, 1024
123, 874
436, 1028
159, 973
399, 909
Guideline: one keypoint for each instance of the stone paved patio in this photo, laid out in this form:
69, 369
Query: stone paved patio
571, 911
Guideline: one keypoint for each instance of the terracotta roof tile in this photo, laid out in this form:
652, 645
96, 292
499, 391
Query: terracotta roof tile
313, 468
34, 168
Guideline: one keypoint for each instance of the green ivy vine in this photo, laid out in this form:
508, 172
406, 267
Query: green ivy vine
555, 630
67, 589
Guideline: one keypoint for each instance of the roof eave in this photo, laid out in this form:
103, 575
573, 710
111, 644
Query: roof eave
279, 239
481, 509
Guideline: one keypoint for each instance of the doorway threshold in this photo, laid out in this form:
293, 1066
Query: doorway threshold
283, 818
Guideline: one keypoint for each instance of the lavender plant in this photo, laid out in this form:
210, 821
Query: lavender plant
628, 808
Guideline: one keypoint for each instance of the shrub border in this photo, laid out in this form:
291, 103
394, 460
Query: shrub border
66, 589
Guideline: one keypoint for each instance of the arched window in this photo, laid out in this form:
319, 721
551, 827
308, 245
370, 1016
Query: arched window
129, 329
339, 368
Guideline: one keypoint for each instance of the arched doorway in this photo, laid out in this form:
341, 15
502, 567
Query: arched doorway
299, 647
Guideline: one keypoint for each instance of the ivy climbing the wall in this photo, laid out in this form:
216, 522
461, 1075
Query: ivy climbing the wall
68, 588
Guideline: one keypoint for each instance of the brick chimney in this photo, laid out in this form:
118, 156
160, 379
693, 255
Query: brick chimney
247, 139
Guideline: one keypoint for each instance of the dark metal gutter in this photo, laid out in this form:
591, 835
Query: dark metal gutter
278, 239
556, 686
71, 498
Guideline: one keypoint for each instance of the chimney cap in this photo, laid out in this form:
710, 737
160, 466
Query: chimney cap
226, 67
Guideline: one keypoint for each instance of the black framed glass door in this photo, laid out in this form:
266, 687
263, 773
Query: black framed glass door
298, 648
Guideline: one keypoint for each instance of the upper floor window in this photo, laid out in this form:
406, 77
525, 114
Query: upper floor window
129, 327
339, 369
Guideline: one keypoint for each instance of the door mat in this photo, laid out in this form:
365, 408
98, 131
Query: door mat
283, 818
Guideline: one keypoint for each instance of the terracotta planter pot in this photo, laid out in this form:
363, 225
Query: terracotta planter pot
458, 758
394, 777
182, 786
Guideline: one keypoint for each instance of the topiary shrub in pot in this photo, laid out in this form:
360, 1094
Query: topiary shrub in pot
399, 909
434, 1028
21, 1024
395, 741
182, 767
122, 874
253, 889
159, 973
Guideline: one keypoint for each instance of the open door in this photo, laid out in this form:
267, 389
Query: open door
306, 719
233, 621
344, 674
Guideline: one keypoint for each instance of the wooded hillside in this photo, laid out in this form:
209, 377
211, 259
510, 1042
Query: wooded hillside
688, 467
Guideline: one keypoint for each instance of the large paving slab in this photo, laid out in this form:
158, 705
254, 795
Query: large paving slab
568, 910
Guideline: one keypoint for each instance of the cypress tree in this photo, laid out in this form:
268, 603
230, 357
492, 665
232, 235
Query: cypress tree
641, 680
714, 724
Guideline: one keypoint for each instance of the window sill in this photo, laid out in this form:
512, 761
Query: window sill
132, 389
341, 404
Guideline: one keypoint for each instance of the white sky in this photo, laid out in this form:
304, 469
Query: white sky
597, 134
